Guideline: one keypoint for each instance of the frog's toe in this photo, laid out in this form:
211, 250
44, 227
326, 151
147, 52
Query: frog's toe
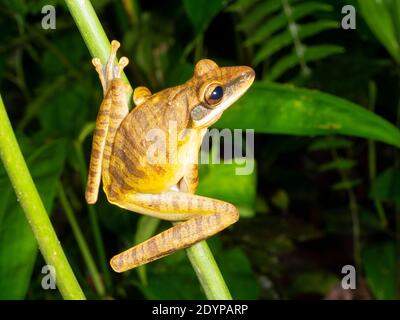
115, 46
123, 62
100, 70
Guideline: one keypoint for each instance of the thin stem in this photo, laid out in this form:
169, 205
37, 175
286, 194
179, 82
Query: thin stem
372, 156
80, 239
397, 205
198, 51
94, 222
91, 30
207, 271
353, 207
35, 212
294, 32
99, 46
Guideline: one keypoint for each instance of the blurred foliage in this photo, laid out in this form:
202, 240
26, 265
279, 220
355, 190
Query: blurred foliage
325, 187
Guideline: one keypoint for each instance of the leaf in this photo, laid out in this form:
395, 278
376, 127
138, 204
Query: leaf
66, 113
310, 54
346, 184
238, 274
222, 182
201, 12
327, 143
285, 39
257, 13
18, 247
285, 109
337, 164
380, 269
307, 8
314, 282
386, 187
240, 5
383, 21
17, 6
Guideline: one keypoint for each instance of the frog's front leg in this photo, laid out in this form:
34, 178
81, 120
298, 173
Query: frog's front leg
204, 218
190, 180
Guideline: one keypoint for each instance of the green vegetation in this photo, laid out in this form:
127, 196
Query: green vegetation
325, 108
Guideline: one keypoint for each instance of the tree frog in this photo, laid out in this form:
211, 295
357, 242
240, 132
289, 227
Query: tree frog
164, 190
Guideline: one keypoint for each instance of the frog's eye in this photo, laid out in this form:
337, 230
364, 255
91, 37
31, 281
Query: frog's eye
213, 95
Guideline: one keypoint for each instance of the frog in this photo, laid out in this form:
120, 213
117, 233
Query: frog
164, 189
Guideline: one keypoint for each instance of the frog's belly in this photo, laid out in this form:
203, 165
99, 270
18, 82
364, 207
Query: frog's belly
150, 178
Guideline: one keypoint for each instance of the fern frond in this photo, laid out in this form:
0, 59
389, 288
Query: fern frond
273, 26
310, 54
284, 39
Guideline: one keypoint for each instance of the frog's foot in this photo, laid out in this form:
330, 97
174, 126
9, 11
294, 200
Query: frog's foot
111, 70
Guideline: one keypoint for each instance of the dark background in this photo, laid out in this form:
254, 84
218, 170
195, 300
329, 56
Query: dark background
302, 207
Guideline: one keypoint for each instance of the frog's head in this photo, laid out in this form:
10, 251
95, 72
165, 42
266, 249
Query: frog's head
216, 90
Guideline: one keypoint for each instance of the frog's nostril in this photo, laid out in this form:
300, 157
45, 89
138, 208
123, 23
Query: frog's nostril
247, 75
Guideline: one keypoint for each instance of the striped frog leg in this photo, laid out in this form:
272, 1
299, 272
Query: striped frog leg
204, 218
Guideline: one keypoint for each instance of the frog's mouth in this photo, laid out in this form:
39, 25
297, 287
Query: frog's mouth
205, 116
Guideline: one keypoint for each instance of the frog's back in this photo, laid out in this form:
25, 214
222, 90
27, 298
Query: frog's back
132, 167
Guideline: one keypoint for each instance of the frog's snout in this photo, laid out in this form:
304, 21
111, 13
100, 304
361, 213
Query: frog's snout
247, 74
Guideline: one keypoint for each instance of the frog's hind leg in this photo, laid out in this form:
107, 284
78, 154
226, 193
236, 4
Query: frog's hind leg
112, 111
204, 218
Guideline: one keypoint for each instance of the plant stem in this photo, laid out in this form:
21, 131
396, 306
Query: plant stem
98, 239
353, 207
298, 46
35, 212
99, 46
80, 239
207, 271
91, 30
372, 156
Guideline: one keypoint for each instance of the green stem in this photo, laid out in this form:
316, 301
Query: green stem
99, 46
35, 212
91, 30
80, 239
372, 156
207, 271
353, 207
98, 239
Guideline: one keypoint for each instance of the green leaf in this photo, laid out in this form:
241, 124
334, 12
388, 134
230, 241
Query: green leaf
346, 184
17, 6
240, 5
290, 61
285, 109
285, 38
307, 8
383, 19
221, 181
257, 13
386, 187
18, 247
201, 12
267, 29
380, 269
66, 113
238, 274
327, 143
337, 164
314, 282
